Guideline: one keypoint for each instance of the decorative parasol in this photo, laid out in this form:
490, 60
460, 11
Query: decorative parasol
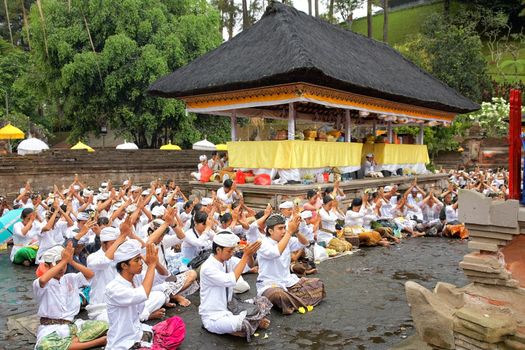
31, 145
9, 133
204, 145
170, 147
81, 145
221, 147
127, 146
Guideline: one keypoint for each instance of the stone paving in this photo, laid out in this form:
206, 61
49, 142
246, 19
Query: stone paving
365, 307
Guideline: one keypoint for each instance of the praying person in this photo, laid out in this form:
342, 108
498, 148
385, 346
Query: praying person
25, 238
126, 296
284, 289
58, 304
218, 276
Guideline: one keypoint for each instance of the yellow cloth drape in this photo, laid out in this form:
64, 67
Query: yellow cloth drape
293, 154
397, 154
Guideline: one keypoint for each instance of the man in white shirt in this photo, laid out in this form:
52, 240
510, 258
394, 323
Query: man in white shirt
126, 295
53, 232
58, 304
218, 276
228, 193
25, 238
283, 289
370, 167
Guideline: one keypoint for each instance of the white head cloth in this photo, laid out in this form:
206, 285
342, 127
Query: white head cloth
53, 255
127, 250
226, 239
286, 205
306, 214
109, 234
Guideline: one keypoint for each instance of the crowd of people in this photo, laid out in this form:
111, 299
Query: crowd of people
125, 254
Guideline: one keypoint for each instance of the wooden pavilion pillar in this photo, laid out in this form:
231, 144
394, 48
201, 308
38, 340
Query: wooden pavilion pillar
291, 121
421, 136
233, 125
390, 133
348, 126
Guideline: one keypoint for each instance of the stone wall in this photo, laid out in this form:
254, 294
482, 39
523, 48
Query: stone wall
59, 167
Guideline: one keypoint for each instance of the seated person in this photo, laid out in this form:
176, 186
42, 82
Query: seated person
228, 193
126, 296
203, 160
25, 238
370, 167
284, 289
59, 303
330, 234
218, 276
354, 219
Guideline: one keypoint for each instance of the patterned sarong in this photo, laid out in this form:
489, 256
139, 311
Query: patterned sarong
89, 330
307, 291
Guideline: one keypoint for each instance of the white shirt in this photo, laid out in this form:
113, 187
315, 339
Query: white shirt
58, 300
51, 238
328, 221
369, 167
431, 213
213, 282
451, 213
20, 241
105, 272
253, 233
274, 268
125, 304
193, 245
307, 230
228, 200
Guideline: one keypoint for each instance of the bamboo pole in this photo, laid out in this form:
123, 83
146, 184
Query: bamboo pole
8, 23
26, 23
39, 5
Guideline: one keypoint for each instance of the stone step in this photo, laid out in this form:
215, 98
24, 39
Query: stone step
490, 247
495, 282
493, 228
468, 343
504, 275
480, 268
483, 259
487, 240
490, 234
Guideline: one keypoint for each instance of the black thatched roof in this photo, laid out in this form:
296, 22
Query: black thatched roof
287, 46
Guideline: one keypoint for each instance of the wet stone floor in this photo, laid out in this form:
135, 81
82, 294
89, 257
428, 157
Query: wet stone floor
365, 307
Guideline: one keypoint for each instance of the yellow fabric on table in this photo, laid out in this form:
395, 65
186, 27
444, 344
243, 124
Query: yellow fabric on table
293, 154
397, 154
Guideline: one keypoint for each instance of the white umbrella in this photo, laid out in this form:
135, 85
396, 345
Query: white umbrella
31, 146
127, 145
204, 145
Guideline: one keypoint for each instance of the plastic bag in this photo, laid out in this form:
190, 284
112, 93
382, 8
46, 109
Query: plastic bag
262, 179
240, 177
320, 253
205, 172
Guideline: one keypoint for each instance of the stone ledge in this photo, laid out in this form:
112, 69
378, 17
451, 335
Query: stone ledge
490, 247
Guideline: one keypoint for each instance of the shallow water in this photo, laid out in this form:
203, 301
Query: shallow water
365, 306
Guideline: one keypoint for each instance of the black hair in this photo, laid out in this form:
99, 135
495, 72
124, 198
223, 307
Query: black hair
328, 190
26, 212
119, 265
215, 246
356, 202
228, 183
168, 181
225, 218
63, 207
327, 199
259, 214
235, 204
199, 217
214, 153
222, 155
310, 194
187, 205
196, 208
103, 221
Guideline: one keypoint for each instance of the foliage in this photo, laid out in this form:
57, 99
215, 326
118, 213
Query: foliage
452, 53
492, 117
96, 60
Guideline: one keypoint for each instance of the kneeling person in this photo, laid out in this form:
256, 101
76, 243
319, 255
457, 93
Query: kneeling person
218, 276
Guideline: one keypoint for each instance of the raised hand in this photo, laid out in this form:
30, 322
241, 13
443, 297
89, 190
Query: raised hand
152, 255
67, 253
252, 248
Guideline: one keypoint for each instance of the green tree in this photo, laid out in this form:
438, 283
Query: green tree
96, 59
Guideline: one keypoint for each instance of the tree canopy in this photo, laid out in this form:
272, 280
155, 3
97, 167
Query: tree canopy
96, 58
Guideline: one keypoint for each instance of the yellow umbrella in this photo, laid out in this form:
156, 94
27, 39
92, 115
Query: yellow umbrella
170, 147
10, 132
81, 145
221, 147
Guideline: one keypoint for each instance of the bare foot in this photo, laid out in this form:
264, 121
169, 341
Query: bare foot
384, 243
158, 314
182, 301
170, 305
311, 271
264, 323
